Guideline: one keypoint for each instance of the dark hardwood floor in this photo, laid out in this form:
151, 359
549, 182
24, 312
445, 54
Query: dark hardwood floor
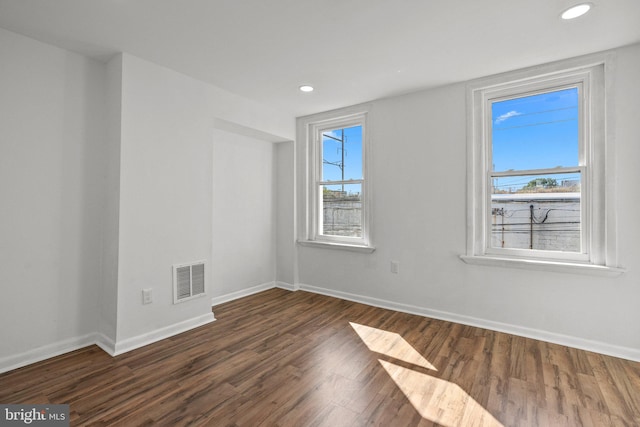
283, 358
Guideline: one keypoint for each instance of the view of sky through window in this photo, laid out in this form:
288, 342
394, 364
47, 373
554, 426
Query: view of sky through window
342, 165
535, 190
535, 132
342, 152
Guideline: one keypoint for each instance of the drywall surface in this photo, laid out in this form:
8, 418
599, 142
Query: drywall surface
285, 226
418, 147
51, 145
167, 195
107, 182
108, 291
243, 213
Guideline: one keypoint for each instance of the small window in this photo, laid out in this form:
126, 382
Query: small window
537, 161
338, 212
340, 183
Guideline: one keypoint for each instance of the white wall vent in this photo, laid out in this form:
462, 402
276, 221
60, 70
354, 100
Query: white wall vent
188, 281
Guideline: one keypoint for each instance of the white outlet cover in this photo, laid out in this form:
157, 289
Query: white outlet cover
395, 267
147, 296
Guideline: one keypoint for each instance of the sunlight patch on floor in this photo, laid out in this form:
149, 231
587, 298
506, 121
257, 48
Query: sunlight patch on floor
435, 399
390, 344
439, 400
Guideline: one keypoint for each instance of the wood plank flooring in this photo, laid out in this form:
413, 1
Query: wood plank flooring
282, 358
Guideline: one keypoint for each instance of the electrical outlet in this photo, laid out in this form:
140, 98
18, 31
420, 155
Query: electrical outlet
147, 296
395, 267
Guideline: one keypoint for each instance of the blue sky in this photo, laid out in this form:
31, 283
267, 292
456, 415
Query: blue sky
331, 152
536, 132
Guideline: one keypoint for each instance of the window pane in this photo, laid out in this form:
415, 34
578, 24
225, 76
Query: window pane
535, 132
342, 154
342, 210
540, 212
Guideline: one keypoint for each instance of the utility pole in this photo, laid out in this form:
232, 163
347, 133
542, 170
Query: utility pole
531, 227
341, 140
342, 154
502, 215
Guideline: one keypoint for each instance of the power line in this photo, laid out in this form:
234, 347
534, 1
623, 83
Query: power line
536, 124
570, 107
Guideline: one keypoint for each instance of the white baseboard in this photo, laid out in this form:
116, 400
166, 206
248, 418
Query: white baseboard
287, 286
242, 293
48, 351
253, 290
160, 334
105, 343
552, 337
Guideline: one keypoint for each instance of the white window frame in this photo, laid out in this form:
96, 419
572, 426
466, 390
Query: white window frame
595, 161
312, 128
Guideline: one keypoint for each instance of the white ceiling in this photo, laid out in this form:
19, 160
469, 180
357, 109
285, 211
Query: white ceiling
351, 50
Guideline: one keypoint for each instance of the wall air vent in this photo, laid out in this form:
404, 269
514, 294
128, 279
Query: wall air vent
188, 281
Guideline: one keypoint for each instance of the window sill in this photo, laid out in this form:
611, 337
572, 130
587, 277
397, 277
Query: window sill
544, 265
335, 245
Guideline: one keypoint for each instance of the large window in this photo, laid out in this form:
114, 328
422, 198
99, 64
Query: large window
536, 172
338, 189
537, 160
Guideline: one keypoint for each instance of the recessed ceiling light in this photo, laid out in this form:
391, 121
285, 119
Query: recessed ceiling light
306, 88
576, 11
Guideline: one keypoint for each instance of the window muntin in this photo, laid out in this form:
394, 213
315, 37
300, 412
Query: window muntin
535, 178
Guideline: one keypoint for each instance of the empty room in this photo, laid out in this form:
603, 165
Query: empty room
319, 213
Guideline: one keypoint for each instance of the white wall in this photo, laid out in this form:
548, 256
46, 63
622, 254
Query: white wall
419, 179
106, 181
285, 226
167, 195
51, 167
243, 213
108, 290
